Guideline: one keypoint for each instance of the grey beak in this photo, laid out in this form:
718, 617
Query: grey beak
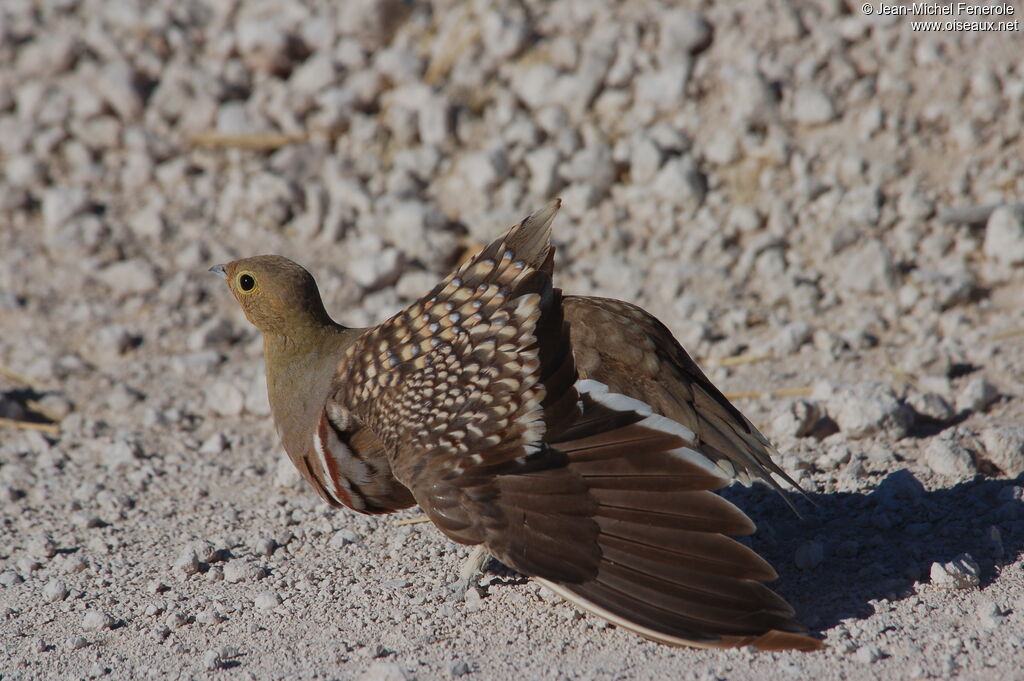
219, 271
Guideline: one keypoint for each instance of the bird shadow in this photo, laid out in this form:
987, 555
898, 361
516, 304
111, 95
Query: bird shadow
852, 548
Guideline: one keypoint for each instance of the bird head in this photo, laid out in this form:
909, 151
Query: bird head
277, 295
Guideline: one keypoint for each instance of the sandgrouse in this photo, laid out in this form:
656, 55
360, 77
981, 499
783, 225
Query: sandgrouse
572, 437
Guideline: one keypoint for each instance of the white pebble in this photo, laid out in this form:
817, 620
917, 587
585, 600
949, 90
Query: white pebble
187, 562
812, 106
268, 600
960, 573
225, 399
129, 277
10, 578
286, 475
1004, 446
265, 546
95, 620
209, 617
868, 654
1004, 235
385, 671
212, 660
947, 456
55, 590
976, 395
176, 620
343, 538
240, 570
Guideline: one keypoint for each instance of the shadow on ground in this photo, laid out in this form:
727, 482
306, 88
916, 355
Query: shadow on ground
877, 545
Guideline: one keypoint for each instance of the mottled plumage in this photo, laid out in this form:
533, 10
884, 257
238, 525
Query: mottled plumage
571, 437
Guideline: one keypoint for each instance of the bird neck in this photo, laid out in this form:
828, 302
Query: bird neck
300, 367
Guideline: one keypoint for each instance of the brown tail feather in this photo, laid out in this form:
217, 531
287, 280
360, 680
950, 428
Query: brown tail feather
631, 499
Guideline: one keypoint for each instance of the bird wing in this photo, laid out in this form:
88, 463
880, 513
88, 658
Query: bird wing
466, 378
633, 353
474, 393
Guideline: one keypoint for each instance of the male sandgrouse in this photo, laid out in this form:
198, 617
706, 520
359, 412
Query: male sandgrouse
572, 437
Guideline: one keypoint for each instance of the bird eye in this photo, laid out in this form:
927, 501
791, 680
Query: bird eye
246, 282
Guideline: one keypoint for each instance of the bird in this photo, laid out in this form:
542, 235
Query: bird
570, 437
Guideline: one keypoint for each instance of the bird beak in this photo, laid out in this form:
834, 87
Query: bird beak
219, 271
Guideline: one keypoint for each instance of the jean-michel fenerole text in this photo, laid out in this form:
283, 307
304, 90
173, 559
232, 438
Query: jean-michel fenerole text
943, 9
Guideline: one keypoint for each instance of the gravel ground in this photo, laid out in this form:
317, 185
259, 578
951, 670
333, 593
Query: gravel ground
823, 205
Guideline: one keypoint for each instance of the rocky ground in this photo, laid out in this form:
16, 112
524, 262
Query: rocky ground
823, 206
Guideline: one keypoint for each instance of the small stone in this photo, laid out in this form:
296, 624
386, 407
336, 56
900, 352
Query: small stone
42, 546
474, 602
543, 165
212, 660
989, 614
265, 546
213, 445
117, 85
314, 75
796, 419
790, 338
483, 170
239, 570
385, 671
863, 409
680, 182
176, 620
225, 398
265, 45
947, 456
187, 562
55, 590
343, 538
121, 454
868, 654
809, 555
870, 269
9, 578
96, 620
76, 643
129, 277
812, 106
268, 600
286, 475
931, 406
55, 406
591, 165
209, 617
378, 271
207, 552
1004, 235
86, 520
212, 333
976, 395
662, 89
960, 573
1004, 447
682, 32
60, 204
458, 668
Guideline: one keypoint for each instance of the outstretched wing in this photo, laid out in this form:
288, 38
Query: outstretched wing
467, 378
630, 351
475, 395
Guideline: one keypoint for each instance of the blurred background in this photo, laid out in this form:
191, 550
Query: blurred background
824, 205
